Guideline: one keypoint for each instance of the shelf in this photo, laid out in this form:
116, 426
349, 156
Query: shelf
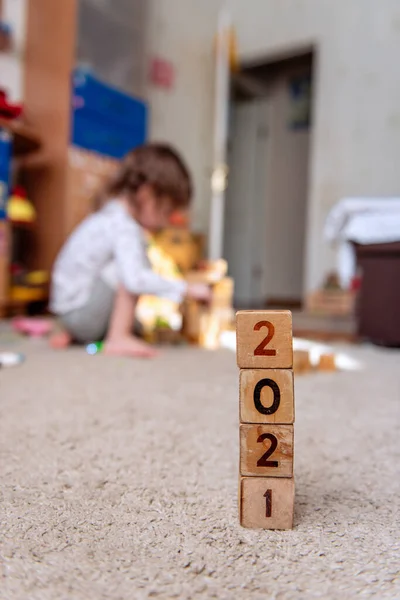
18, 306
25, 138
23, 225
22, 294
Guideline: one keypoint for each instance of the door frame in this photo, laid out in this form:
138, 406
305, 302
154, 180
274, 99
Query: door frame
273, 59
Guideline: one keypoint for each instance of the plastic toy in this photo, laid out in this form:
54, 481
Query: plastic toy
11, 359
19, 209
94, 348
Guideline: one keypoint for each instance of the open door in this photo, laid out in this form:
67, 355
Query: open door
266, 204
245, 214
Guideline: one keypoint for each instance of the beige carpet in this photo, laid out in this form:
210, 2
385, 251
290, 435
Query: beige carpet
119, 481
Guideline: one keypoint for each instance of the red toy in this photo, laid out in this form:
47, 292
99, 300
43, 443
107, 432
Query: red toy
7, 109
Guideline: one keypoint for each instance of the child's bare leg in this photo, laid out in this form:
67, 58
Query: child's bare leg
119, 339
59, 338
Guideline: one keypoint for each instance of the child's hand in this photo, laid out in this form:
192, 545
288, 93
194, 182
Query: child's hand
199, 291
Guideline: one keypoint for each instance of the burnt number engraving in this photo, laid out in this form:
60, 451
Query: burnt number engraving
267, 410
268, 503
261, 349
263, 460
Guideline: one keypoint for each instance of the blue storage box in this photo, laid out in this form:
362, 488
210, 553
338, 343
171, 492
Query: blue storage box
90, 94
97, 134
5, 171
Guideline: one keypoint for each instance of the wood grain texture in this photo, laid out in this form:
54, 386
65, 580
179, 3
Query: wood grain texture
49, 59
262, 496
264, 339
266, 450
261, 390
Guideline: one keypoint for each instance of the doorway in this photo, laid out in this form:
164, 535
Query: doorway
267, 195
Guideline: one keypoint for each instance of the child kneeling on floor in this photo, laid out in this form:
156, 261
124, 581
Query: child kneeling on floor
103, 267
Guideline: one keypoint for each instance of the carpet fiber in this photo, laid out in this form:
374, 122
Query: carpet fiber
119, 481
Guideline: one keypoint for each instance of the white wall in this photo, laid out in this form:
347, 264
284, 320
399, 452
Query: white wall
182, 31
11, 63
356, 137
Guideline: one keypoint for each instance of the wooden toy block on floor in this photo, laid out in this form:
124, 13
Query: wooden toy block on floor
266, 450
266, 396
266, 502
264, 339
265, 359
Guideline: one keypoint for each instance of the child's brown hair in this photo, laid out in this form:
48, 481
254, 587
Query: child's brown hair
157, 165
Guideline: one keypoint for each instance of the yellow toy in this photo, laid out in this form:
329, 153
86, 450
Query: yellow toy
19, 209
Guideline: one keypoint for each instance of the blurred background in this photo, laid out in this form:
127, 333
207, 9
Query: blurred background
287, 112
118, 476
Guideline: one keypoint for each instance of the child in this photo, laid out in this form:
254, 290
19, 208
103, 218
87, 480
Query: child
103, 267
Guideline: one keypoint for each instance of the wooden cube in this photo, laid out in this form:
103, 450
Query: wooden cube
266, 502
301, 361
266, 396
264, 339
266, 450
327, 362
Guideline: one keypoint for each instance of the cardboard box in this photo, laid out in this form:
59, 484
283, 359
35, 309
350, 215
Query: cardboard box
88, 172
331, 302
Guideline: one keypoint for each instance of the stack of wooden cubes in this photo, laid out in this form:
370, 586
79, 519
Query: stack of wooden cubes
265, 359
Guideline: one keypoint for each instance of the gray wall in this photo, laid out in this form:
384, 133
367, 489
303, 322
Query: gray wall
111, 38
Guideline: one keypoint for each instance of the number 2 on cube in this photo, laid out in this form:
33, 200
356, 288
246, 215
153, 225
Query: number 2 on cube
261, 349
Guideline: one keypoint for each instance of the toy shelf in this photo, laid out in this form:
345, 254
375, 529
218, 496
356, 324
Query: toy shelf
26, 142
24, 137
